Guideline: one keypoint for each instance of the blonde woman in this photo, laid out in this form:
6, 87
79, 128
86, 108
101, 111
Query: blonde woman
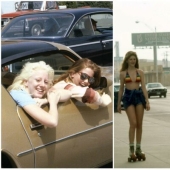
135, 99
30, 90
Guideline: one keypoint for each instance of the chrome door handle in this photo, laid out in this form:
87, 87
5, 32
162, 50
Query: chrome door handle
36, 126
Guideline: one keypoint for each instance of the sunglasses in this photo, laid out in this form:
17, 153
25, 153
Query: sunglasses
84, 76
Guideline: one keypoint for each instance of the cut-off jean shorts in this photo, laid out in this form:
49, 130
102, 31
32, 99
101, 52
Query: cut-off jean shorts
133, 97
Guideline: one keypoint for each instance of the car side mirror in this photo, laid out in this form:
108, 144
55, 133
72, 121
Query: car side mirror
102, 84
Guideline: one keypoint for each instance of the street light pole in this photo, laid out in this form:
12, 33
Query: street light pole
155, 55
154, 50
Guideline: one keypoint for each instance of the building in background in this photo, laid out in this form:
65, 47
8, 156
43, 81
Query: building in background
147, 66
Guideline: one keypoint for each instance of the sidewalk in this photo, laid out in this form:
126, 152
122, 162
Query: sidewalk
155, 142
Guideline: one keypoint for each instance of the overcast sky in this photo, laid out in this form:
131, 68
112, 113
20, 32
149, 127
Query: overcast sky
151, 14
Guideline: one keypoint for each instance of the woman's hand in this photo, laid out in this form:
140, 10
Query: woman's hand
40, 102
53, 96
106, 99
147, 106
119, 107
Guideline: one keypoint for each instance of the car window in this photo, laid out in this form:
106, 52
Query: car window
154, 85
16, 29
84, 27
39, 25
25, 5
59, 62
104, 22
116, 88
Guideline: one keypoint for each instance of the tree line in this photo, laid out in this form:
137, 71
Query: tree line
78, 4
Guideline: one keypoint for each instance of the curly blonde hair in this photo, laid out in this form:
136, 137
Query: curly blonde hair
27, 71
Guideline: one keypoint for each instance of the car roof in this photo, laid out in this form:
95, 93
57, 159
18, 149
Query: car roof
22, 48
74, 11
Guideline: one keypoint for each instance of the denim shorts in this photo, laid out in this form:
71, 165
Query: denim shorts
133, 97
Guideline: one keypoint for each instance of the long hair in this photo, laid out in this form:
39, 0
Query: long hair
27, 71
77, 67
127, 56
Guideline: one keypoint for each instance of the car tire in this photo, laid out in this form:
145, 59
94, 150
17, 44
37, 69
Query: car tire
164, 95
36, 30
160, 96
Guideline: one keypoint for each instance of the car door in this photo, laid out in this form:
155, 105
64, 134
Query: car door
83, 135
88, 43
14, 138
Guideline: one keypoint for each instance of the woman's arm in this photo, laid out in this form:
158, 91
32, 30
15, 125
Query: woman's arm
144, 90
84, 94
121, 90
49, 119
64, 96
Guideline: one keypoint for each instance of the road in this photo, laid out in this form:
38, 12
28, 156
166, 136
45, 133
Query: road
155, 139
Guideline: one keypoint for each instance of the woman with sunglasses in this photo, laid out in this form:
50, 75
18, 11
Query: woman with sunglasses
79, 79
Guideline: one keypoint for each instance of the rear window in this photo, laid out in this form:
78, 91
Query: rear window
154, 85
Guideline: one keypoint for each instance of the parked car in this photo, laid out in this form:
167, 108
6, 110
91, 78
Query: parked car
24, 7
116, 91
68, 27
156, 89
82, 139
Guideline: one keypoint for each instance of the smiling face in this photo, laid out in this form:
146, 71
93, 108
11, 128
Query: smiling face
38, 84
131, 61
78, 80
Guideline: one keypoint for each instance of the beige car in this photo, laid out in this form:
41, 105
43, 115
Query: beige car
84, 135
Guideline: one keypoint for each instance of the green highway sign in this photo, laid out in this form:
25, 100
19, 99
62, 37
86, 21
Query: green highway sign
151, 39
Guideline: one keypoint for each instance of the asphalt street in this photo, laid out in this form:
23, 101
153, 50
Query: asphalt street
155, 138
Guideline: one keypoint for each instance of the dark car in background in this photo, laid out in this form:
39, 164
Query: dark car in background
83, 137
156, 89
68, 27
116, 91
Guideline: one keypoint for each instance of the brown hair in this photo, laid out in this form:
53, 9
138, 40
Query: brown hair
127, 56
77, 67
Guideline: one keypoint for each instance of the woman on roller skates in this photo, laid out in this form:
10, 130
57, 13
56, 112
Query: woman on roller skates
135, 99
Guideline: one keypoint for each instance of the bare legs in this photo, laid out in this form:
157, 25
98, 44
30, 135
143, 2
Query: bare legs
135, 116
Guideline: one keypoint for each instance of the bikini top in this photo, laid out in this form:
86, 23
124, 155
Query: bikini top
128, 78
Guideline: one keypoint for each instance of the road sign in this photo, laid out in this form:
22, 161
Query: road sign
151, 39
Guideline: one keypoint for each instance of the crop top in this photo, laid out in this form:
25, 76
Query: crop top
129, 80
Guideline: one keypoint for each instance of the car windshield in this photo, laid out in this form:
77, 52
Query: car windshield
154, 85
39, 25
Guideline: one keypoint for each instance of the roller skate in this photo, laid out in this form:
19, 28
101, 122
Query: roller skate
132, 156
139, 154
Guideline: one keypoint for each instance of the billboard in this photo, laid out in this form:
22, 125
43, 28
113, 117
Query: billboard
151, 39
